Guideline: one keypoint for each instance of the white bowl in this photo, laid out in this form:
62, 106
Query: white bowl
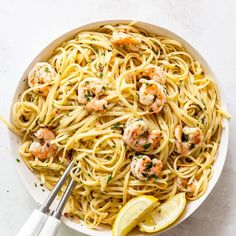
30, 179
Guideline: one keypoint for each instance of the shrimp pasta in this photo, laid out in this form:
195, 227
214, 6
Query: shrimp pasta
135, 112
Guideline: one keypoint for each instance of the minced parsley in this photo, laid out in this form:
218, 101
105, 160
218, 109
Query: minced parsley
101, 74
148, 166
147, 145
152, 177
117, 126
109, 178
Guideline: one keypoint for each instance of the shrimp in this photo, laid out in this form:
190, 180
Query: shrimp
145, 168
89, 92
125, 40
155, 73
184, 184
152, 95
137, 136
42, 147
41, 74
187, 138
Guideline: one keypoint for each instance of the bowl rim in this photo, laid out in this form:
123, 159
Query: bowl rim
47, 51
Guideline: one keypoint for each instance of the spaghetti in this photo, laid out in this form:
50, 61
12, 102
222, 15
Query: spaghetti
111, 100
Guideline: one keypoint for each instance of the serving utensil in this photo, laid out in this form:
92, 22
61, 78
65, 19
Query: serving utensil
42, 221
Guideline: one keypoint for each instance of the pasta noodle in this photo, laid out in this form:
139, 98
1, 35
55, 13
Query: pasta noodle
94, 137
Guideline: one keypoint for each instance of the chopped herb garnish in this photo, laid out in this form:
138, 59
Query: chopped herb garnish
104, 107
89, 95
139, 156
152, 177
18, 160
41, 185
46, 69
100, 70
30, 98
43, 190
101, 75
147, 145
93, 39
103, 54
35, 185
109, 178
148, 166
116, 126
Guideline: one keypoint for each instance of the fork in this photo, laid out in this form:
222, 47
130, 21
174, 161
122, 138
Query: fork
43, 222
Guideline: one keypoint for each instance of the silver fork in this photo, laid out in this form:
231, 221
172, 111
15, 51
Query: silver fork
41, 222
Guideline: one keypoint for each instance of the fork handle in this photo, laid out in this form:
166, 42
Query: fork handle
50, 227
34, 224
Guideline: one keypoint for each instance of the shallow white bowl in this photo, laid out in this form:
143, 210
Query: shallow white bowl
30, 179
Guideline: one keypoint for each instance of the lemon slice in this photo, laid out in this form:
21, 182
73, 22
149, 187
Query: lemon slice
132, 213
164, 215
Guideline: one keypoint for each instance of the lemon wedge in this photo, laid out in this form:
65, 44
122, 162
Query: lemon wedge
164, 215
132, 213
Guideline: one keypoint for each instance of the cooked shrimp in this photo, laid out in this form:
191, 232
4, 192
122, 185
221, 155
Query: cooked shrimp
154, 73
185, 185
152, 95
125, 40
143, 167
137, 136
89, 92
187, 138
42, 147
41, 74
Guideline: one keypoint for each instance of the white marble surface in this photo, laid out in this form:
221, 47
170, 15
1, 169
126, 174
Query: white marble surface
27, 26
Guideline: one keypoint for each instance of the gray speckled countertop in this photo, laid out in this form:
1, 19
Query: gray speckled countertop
27, 26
